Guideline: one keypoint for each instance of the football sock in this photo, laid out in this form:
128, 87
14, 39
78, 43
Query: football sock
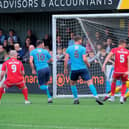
45, 87
93, 90
113, 86
123, 89
1, 92
25, 93
74, 91
127, 95
117, 90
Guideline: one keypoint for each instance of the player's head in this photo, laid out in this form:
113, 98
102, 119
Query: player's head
122, 43
13, 54
31, 47
78, 39
40, 44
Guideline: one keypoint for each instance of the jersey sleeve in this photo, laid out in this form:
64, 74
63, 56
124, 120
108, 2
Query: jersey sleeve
48, 55
113, 50
3, 67
84, 51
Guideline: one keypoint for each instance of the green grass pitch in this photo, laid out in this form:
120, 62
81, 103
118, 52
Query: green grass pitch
62, 114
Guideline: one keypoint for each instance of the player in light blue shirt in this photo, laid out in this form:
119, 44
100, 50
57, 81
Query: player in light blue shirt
41, 57
79, 67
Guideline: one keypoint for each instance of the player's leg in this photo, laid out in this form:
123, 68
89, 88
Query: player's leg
73, 79
85, 75
2, 90
43, 77
117, 90
124, 78
24, 89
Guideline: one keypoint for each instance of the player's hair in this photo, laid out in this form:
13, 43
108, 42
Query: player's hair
38, 42
77, 38
12, 53
121, 42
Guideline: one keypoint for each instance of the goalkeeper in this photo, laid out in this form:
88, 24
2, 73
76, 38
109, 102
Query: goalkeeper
79, 67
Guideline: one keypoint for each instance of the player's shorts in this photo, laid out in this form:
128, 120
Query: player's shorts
83, 73
18, 84
43, 76
119, 76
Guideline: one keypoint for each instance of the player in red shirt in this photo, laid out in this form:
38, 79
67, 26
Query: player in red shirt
14, 70
121, 68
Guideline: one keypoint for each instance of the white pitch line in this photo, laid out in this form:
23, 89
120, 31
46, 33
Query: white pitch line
43, 126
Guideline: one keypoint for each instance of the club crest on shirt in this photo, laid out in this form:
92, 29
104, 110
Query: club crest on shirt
39, 50
76, 47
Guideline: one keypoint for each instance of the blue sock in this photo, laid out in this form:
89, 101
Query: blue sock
108, 86
44, 87
74, 91
93, 90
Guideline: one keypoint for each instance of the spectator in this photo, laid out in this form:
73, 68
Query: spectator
98, 39
109, 45
60, 55
25, 50
3, 54
12, 36
88, 47
2, 37
71, 41
109, 34
92, 58
58, 41
102, 55
11, 44
19, 50
32, 37
98, 49
5, 45
48, 41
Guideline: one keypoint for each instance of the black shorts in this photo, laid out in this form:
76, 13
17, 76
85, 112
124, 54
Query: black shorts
43, 76
83, 73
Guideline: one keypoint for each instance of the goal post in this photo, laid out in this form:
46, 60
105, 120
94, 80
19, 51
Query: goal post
100, 33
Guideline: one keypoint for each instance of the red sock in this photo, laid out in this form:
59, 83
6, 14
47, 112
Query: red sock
25, 93
123, 89
1, 92
113, 87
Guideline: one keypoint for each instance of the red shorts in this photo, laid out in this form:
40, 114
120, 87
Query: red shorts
18, 84
120, 76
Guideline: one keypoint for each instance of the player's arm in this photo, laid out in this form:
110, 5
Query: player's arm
3, 72
66, 62
106, 60
32, 65
86, 60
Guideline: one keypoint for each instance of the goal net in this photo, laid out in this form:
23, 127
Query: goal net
100, 33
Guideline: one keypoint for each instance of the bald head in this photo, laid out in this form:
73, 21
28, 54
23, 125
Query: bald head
13, 53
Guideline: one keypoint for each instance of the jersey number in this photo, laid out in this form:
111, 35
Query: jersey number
14, 68
122, 59
76, 55
41, 57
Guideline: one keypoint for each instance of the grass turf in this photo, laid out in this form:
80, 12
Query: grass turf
62, 114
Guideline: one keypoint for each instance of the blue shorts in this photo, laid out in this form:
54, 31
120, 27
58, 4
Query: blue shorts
43, 76
83, 73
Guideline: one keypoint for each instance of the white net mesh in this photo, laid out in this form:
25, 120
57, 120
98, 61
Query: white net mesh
100, 35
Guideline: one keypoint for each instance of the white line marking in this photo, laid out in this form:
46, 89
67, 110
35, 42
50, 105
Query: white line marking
43, 126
